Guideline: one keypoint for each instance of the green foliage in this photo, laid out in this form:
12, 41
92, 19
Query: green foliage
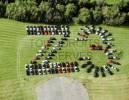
83, 2
43, 9
60, 8
44, 6
123, 4
112, 16
100, 3
22, 11
2, 9
127, 17
97, 16
70, 1
84, 16
58, 11
76, 20
49, 15
70, 10
58, 17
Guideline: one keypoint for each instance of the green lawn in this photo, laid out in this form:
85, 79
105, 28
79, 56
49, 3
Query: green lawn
17, 49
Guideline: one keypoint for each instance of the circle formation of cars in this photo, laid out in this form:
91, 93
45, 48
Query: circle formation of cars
112, 63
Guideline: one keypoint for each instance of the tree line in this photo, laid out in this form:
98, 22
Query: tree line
66, 11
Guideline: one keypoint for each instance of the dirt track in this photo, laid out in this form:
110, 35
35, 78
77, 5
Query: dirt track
61, 88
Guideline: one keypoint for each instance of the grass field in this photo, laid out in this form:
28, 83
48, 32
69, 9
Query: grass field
17, 49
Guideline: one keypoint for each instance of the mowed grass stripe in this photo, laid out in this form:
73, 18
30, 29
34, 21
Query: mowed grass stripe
14, 33
9, 38
9, 33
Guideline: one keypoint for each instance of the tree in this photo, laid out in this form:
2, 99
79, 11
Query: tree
70, 11
51, 11
2, 9
76, 20
123, 5
10, 10
43, 8
60, 8
22, 11
7, 1
49, 15
97, 16
84, 3
84, 16
127, 18
112, 16
70, 1
46, 11
100, 3
58, 17
59, 14
38, 2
